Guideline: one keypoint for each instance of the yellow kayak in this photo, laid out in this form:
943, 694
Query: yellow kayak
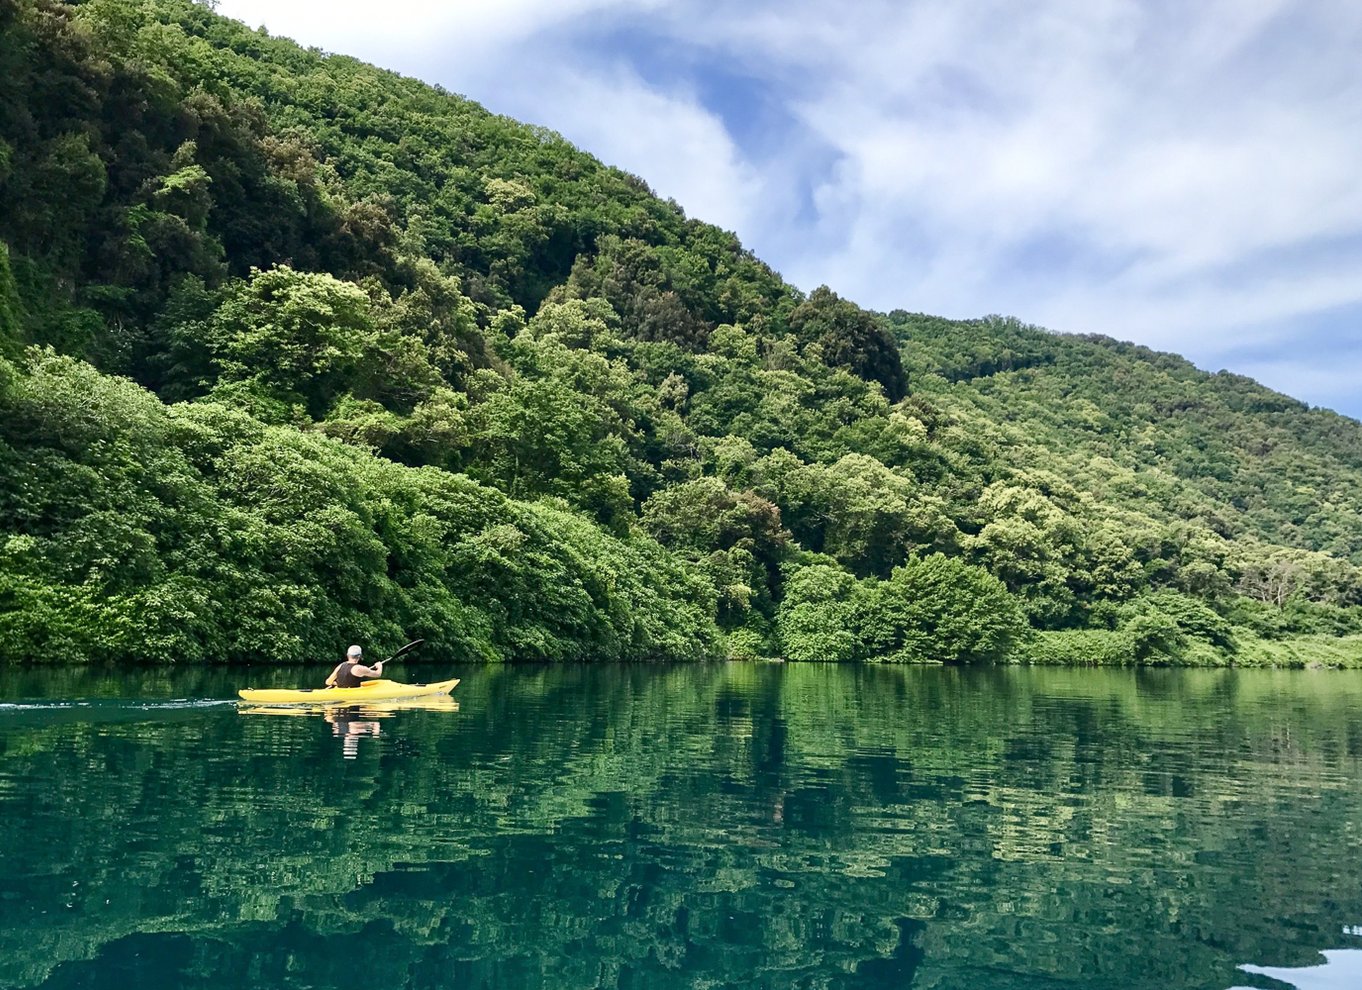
375, 690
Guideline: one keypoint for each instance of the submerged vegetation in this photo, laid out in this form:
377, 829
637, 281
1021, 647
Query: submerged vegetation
294, 351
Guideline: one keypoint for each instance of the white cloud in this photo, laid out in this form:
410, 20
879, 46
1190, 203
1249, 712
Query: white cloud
1188, 155
411, 29
1318, 378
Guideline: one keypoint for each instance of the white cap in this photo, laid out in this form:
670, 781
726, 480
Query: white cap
354, 651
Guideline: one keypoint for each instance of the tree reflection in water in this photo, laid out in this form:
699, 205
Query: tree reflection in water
668, 827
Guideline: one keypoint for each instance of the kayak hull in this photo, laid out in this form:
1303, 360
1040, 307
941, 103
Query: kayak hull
375, 690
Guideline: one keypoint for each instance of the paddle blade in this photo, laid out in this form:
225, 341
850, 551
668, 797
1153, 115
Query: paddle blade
406, 649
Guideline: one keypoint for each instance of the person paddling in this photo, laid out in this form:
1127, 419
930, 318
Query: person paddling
351, 671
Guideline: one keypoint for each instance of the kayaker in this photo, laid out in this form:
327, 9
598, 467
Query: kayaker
351, 671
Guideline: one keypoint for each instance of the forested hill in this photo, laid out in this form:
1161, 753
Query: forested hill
295, 352
1246, 460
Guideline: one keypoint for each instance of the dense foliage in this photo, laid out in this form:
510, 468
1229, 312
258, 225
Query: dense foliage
296, 351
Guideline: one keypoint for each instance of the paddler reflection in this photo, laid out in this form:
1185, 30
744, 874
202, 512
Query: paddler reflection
349, 723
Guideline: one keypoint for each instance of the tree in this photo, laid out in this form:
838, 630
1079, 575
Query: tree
11, 310
850, 337
940, 609
296, 336
817, 616
736, 537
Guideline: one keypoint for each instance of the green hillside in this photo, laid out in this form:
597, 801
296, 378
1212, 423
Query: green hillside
295, 352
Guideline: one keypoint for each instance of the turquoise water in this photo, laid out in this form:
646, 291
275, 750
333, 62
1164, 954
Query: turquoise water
707, 826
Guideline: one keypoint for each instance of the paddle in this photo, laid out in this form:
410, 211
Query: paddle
406, 649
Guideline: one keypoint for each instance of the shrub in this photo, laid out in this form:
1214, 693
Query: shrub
939, 609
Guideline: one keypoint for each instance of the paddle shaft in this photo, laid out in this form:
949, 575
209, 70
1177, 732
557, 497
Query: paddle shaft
406, 649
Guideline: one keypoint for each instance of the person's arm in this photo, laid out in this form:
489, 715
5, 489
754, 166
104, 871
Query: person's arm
331, 680
375, 671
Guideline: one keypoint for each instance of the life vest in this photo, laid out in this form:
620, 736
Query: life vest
346, 676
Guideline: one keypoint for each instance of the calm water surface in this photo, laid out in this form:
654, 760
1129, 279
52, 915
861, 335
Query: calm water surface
704, 826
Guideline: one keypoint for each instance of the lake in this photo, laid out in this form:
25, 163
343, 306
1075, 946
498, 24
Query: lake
726, 825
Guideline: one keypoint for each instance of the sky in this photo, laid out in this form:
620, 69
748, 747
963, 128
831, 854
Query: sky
1184, 175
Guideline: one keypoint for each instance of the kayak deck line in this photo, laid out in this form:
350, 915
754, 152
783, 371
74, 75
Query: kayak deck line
375, 690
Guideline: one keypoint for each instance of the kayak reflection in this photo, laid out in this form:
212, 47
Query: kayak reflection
351, 722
